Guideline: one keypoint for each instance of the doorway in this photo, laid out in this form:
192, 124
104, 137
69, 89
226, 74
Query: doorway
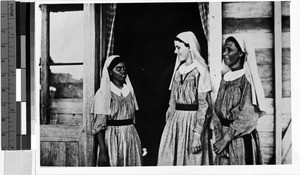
144, 35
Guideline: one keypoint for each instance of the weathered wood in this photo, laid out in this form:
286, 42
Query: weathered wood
45, 44
59, 133
285, 8
72, 154
238, 25
264, 56
58, 153
286, 89
67, 103
265, 71
286, 24
247, 9
66, 119
278, 38
266, 138
287, 141
286, 53
262, 40
65, 111
267, 154
266, 123
268, 88
86, 144
44, 154
215, 40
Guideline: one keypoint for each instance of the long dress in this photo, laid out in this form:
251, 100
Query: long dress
122, 142
238, 118
178, 133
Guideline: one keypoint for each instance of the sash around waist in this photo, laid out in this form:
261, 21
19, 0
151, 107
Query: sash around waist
186, 107
119, 122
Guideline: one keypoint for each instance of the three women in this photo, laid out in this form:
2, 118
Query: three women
186, 136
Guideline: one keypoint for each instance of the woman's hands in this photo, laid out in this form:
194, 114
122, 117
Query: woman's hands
196, 144
220, 145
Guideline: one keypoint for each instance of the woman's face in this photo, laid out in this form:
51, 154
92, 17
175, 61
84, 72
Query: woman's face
181, 50
231, 54
119, 73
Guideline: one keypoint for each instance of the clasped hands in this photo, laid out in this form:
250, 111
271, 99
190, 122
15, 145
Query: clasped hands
220, 145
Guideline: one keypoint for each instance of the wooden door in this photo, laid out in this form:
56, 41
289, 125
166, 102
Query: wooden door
68, 87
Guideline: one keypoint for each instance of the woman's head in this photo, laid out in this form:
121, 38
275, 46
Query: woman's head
233, 55
117, 70
182, 49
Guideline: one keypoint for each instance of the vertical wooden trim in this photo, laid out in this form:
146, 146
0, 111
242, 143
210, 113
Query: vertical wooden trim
215, 45
91, 53
45, 119
278, 79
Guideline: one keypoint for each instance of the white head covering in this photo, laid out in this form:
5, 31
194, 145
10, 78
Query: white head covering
102, 99
251, 72
204, 81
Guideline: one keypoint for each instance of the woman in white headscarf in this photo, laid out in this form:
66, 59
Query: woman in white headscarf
114, 109
239, 104
183, 141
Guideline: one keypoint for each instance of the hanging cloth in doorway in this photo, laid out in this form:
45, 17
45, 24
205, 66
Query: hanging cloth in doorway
110, 14
204, 12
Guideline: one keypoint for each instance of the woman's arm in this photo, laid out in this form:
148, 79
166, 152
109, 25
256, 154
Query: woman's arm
103, 155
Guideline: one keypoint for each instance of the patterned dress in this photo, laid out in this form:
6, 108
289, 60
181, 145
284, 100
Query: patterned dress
122, 142
237, 116
177, 137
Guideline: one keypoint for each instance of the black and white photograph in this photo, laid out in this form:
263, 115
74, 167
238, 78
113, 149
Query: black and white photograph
164, 84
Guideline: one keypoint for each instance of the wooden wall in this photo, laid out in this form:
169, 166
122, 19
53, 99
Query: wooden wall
255, 20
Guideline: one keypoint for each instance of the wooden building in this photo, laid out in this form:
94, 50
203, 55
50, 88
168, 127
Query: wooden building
65, 123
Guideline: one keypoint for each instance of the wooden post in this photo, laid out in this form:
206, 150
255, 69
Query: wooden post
91, 58
278, 80
45, 119
215, 45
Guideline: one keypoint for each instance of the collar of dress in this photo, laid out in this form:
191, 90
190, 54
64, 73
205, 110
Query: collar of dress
124, 91
183, 69
233, 75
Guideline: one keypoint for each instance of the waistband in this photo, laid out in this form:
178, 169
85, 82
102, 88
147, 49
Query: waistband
186, 107
119, 122
225, 122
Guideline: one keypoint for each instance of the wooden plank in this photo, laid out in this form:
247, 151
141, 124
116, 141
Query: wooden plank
267, 154
44, 110
285, 8
286, 53
247, 9
86, 144
238, 25
286, 40
258, 39
57, 153
286, 72
286, 91
67, 103
265, 72
278, 38
65, 111
268, 88
72, 154
266, 123
266, 138
286, 24
66, 119
264, 56
59, 133
215, 39
287, 141
44, 154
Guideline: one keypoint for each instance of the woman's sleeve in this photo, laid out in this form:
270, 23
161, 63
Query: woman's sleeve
172, 102
99, 123
203, 102
246, 117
